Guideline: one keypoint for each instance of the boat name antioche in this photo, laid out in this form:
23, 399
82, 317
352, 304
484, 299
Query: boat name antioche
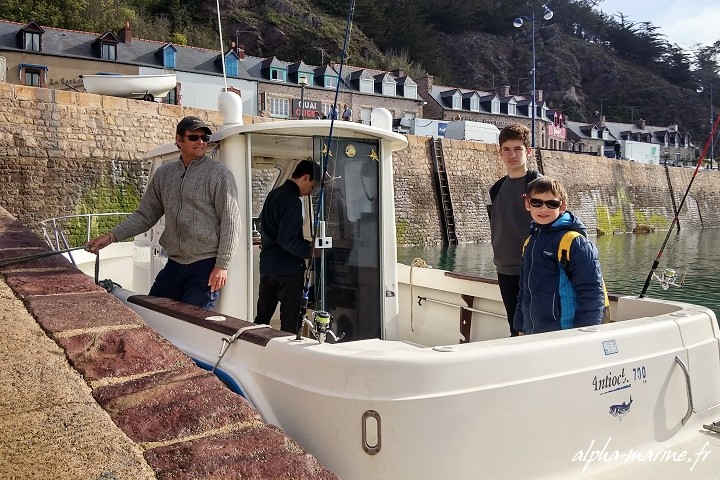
610, 382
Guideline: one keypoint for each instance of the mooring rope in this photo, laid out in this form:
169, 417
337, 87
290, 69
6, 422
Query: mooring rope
107, 284
25, 258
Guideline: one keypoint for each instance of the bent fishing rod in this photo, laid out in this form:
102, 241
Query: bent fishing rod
679, 208
323, 171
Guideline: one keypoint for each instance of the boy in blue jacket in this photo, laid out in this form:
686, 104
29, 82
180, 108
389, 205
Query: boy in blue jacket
555, 295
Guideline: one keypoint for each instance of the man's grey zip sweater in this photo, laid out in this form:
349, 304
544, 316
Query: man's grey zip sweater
200, 207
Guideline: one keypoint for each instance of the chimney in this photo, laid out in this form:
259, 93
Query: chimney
240, 50
602, 122
505, 91
125, 33
331, 64
398, 72
425, 84
538, 96
641, 124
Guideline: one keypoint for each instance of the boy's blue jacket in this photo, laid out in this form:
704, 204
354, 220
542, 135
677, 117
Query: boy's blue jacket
548, 299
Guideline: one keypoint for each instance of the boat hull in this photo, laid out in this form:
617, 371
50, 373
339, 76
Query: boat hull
130, 86
392, 409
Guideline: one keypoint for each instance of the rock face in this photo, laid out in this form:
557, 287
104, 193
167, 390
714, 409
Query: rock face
109, 397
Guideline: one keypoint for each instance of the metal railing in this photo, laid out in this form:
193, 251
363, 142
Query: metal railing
60, 232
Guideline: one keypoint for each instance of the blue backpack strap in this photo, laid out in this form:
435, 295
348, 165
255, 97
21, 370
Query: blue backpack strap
564, 258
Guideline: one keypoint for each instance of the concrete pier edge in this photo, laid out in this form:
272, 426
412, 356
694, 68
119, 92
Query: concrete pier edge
89, 392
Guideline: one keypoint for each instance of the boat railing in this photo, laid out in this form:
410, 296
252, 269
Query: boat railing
67, 231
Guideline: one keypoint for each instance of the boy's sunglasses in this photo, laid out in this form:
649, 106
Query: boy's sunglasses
551, 204
195, 138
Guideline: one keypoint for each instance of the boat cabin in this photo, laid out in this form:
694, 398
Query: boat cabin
351, 220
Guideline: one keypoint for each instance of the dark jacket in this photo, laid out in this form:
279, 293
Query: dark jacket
284, 249
552, 297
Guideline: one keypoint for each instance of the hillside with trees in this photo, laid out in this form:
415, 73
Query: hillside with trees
588, 63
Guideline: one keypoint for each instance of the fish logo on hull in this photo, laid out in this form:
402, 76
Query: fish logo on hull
621, 409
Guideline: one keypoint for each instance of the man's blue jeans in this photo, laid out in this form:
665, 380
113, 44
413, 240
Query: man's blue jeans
186, 283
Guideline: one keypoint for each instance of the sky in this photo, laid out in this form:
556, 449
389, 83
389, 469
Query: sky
685, 22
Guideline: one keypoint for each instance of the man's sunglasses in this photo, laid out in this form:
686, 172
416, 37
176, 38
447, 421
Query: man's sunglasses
195, 138
551, 204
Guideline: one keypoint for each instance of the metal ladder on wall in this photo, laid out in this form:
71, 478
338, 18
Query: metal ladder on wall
442, 188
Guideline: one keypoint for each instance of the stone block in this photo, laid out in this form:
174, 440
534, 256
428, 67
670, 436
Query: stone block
68, 441
60, 313
106, 354
142, 107
89, 100
169, 407
249, 453
28, 283
114, 103
7, 90
65, 97
33, 94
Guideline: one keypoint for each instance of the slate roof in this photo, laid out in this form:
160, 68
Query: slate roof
148, 53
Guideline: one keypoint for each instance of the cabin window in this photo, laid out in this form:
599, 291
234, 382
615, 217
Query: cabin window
410, 91
33, 75
352, 268
264, 178
279, 107
108, 51
32, 41
277, 74
366, 85
169, 58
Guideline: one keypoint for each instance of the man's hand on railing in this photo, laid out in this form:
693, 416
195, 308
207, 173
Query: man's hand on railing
95, 244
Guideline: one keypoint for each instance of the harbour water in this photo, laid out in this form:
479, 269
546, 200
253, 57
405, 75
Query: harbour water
626, 261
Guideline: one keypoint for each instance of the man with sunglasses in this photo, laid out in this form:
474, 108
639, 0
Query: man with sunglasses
558, 289
198, 197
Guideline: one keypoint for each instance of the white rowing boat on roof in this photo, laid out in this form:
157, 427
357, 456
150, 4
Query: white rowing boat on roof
129, 86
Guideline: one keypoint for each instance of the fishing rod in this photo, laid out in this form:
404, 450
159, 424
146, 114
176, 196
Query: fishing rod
323, 324
677, 211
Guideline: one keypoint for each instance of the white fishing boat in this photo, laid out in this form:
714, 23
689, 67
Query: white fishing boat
129, 86
425, 383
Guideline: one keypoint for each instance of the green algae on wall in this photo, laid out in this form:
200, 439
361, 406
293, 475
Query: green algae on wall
645, 223
608, 223
106, 197
406, 235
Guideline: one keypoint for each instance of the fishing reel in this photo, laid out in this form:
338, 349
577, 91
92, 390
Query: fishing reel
320, 326
668, 278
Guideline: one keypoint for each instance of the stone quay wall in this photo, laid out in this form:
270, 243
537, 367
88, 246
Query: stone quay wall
610, 196
65, 152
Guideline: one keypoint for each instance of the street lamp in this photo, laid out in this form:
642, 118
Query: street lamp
303, 81
700, 89
517, 23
